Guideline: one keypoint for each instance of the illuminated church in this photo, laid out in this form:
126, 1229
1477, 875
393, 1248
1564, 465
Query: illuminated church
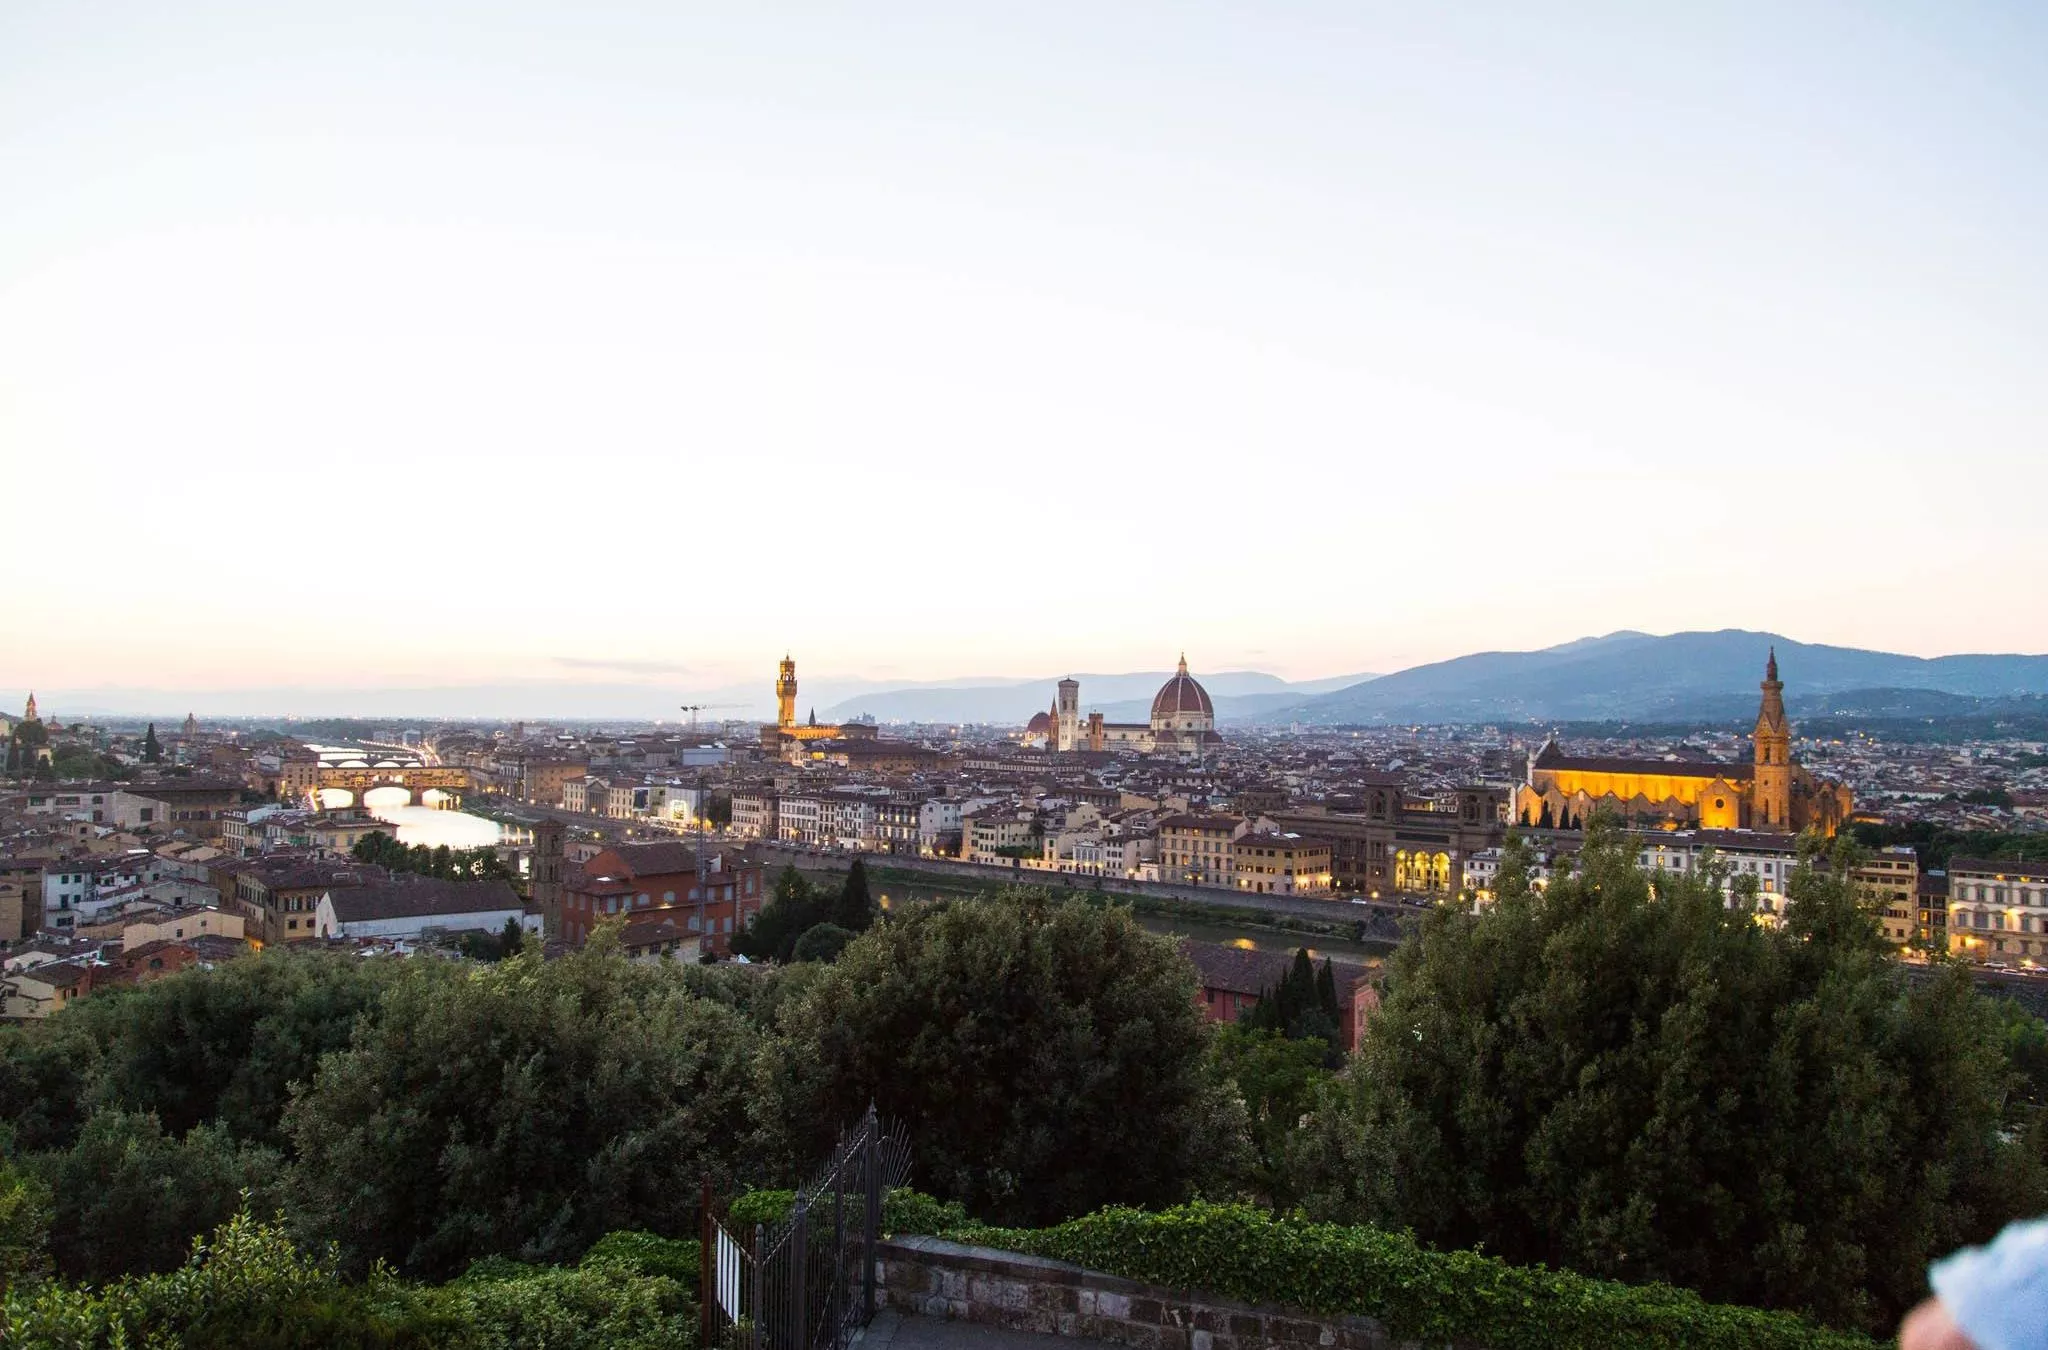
1183, 722
1768, 793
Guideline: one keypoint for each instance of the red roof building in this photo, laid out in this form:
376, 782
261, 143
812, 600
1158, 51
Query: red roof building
709, 892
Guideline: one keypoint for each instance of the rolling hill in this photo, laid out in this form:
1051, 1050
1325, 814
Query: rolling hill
1639, 676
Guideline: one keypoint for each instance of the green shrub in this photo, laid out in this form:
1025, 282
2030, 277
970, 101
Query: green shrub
754, 1207
643, 1253
908, 1211
249, 1288
602, 1305
903, 1211
1246, 1254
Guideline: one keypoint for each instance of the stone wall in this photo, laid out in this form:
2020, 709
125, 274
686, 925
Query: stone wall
932, 1278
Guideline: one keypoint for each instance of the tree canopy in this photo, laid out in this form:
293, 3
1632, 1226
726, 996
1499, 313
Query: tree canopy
523, 1108
1045, 1057
797, 907
1626, 1076
1301, 1006
448, 864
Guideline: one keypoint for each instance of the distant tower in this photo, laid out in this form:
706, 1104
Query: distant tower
191, 724
1771, 803
29, 714
544, 872
1067, 715
785, 693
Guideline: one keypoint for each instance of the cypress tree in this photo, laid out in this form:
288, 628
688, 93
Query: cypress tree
855, 908
152, 753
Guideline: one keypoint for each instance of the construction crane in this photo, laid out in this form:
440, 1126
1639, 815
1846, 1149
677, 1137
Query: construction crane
694, 708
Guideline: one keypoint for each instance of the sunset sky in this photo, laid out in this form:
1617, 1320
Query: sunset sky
365, 344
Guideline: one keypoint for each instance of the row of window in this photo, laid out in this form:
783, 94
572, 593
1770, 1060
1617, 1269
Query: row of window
1996, 895
2025, 923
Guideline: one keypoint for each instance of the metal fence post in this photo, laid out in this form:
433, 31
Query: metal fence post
871, 1226
839, 1254
799, 1271
760, 1288
707, 1292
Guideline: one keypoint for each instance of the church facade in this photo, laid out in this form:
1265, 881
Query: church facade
1182, 722
1771, 792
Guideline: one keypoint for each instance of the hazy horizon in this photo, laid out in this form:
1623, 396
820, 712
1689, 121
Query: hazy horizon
384, 347
659, 695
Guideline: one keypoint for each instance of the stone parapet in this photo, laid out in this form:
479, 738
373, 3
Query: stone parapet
933, 1278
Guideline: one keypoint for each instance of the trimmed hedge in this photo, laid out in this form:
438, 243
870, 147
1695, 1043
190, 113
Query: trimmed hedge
903, 1211
1246, 1254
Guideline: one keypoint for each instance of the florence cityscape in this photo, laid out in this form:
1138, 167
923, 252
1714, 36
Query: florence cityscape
1319, 678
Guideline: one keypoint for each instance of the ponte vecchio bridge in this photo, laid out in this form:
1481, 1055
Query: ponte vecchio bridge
416, 779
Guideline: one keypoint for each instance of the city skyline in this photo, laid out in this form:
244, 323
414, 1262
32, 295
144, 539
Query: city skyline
1674, 668
609, 345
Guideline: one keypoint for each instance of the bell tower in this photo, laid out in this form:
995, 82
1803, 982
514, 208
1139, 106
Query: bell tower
1771, 800
785, 693
1067, 717
544, 872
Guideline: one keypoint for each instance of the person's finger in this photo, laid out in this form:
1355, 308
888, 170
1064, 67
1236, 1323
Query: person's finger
1929, 1327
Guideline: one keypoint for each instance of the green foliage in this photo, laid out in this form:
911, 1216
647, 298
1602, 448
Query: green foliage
250, 1288
152, 752
756, 992
1935, 844
1301, 1006
903, 1211
2026, 1045
908, 1211
677, 1259
1659, 1088
1045, 1057
855, 909
523, 1108
447, 864
752, 1207
793, 910
82, 761
47, 1074
1277, 1079
24, 1227
598, 1305
1434, 1297
225, 1045
134, 1198
823, 942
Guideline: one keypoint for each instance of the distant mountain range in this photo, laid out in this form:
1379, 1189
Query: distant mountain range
1239, 695
1639, 677
1621, 676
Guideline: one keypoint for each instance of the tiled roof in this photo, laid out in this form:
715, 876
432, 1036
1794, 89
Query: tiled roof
1554, 758
1252, 972
422, 899
2033, 869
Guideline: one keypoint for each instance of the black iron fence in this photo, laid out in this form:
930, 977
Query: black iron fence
809, 1281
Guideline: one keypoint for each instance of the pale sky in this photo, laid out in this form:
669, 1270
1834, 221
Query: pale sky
414, 343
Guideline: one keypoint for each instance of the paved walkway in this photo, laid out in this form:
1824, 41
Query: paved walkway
891, 1330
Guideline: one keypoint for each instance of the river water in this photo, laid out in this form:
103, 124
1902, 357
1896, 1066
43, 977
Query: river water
412, 824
